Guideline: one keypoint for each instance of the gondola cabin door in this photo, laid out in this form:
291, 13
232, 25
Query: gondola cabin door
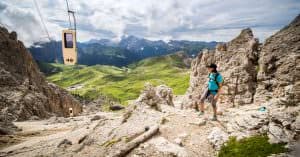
69, 47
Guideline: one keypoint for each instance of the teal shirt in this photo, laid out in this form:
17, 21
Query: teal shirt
212, 85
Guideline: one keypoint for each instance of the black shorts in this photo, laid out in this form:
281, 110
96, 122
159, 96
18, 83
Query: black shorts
209, 96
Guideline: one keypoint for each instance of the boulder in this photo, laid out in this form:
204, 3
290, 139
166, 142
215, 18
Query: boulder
116, 107
217, 137
168, 148
156, 96
165, 94
276, 134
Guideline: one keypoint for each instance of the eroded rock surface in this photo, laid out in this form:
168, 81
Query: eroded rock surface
237, 62
261, 84
279, 66
155, 96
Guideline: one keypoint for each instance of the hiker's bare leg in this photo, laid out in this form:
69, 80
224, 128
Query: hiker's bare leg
196, 106
215, 110
201, 106
214, 105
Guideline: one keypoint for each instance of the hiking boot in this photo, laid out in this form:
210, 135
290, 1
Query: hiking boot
201, 113
214, 118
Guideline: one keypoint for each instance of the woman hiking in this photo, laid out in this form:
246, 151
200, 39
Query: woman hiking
212, 92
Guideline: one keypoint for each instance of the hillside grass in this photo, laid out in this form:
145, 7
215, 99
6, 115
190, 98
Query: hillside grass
123, 84
255, 146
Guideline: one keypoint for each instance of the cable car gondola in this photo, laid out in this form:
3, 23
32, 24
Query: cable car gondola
69, 40
69, 47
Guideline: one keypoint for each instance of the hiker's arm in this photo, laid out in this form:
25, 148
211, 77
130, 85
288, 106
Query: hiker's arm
220, 89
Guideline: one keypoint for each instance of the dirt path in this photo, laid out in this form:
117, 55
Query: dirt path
184, 128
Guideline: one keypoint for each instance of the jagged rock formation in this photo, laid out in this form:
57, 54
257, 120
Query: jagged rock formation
279, 66
217, 137
264, 79
24, 91
165, 94
155, 96
237, 61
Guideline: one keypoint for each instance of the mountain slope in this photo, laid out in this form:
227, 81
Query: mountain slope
124, 84
24, 91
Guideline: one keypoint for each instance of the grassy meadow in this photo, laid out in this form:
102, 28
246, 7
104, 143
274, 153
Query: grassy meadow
122, 84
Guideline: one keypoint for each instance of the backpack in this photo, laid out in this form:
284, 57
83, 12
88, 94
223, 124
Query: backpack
215, 78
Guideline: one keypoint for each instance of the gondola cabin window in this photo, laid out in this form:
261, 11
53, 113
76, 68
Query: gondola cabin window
69, 47
68, 40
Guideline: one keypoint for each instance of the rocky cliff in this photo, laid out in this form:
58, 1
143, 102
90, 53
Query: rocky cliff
279, 66
24, 92
237, 62
253, 73
261, 81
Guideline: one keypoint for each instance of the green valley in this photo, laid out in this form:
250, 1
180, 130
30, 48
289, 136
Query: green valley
121, 84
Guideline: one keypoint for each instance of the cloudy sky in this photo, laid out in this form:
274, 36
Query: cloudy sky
205, 20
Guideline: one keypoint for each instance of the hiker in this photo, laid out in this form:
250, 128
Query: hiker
212, 92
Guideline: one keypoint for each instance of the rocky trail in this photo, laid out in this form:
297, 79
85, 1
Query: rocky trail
181, 133
142, 130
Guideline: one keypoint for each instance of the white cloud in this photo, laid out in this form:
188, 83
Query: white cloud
206, 20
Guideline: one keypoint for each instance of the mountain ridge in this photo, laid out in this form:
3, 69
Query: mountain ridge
106, 52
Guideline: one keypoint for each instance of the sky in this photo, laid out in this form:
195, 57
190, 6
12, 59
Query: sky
197, 20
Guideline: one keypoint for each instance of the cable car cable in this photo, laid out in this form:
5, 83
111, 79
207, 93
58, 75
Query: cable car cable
69, 40
68, 13
45, 28
41, 18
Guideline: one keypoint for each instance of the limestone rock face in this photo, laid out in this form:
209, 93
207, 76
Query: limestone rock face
279, 123
149, 97
237, 61
165, 94
155, 96
279, 66
24, 92
264, 79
